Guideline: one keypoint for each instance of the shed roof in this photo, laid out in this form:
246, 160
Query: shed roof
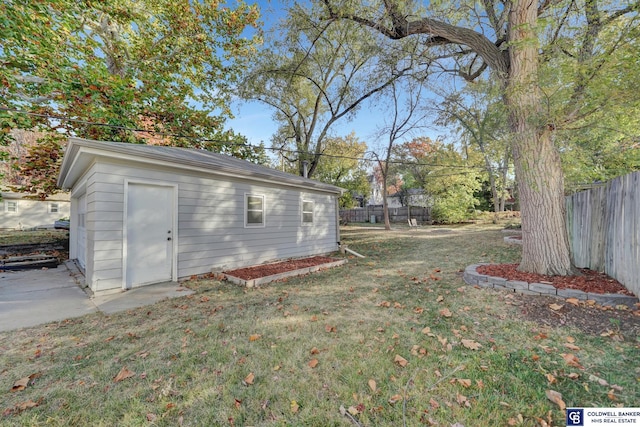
80, 153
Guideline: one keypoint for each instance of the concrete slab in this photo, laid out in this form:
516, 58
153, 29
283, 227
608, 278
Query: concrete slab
33, 297
139, 297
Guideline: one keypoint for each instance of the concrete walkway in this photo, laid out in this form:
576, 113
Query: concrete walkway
33, 297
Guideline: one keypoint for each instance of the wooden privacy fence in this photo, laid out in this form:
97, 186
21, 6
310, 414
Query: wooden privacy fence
395, 214
604, 229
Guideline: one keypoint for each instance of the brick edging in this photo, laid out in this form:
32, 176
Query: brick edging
473, 278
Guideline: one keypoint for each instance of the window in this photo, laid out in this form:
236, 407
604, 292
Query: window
54, 207
307, 212
11, 206
254, 212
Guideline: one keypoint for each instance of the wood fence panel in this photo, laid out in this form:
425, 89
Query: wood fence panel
604, 229
421, 214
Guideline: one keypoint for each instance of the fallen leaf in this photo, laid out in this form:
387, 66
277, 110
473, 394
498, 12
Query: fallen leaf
426, 330
464, 382
248, 380
237, 403
572, 360
572, 346
353, 410
395, 399
401, 360
445, 312
611, 395
574, 301
330, 328
372, 385
276, 368
31, 404
204, 298
151, 417
471, 344
110, 338
314, 318
462, 400
123, 374
571, 339
294, 407
21, 384
434, 403
556, 398
550, 378
555, 307
314, 350
313, 363
599, 380
254, 337
440, 298
573, 376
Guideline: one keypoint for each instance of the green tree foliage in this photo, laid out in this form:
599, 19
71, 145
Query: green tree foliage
590, 82
444, 174
512, 38
341, 166
479, 119
156, 65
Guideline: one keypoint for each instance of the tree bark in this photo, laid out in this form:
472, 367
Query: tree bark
545, 244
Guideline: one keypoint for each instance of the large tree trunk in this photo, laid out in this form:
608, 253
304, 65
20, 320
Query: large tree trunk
545, 244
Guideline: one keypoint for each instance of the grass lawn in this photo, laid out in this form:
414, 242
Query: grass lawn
394, 339
13, 237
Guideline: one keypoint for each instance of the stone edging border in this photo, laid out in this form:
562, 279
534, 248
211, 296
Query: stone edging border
267, 279
473, 278
512, 240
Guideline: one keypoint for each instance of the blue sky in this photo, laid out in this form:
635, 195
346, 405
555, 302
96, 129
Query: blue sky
254, 119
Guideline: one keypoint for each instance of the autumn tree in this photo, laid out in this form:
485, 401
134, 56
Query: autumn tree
314, 74
111, 70
342, 166
444, 173
404, 118
479, 120
506, 38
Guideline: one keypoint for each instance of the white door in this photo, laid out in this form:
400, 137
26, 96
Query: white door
81, 240
149, 234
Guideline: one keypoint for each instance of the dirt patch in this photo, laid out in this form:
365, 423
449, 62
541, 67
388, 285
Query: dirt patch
590, 319
590, 281
265, 270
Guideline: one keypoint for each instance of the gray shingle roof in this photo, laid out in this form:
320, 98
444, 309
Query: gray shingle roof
182, 158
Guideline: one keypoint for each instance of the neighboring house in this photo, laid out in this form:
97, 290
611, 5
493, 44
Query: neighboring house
410, 197
147, 214
17, 212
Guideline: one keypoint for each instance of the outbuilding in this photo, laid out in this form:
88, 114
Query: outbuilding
144, 214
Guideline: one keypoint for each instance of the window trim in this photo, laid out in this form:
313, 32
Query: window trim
15, 206
312, 212
246, 211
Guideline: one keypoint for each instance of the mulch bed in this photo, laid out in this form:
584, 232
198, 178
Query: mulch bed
590, 281
265, 270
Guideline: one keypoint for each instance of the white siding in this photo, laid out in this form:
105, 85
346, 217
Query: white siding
31, 213
211, 233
